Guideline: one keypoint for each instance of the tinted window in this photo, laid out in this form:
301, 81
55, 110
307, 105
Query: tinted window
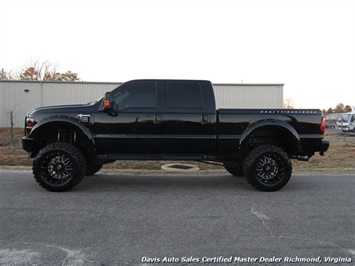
184, 95
136, 95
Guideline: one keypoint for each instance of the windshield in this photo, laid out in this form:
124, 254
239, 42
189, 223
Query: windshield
345, 117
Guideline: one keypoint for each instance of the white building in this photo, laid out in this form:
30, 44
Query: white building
19, 97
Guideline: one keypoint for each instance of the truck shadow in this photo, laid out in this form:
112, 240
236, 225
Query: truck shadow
113, 181
166, 181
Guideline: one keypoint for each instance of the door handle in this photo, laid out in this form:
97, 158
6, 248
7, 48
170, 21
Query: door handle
157, 119
204, 119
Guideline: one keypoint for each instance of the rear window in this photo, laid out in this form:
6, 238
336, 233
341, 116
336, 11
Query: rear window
184, 95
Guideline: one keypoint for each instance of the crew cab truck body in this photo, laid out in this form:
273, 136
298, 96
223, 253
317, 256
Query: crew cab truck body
169, 120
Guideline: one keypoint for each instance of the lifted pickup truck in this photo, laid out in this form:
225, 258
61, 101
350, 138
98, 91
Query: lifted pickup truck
169, 120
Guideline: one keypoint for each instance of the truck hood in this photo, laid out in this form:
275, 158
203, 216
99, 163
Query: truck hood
68, 110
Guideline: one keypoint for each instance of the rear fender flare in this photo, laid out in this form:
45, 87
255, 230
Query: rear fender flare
285, 128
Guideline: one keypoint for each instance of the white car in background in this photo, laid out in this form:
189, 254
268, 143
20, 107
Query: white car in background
347, 121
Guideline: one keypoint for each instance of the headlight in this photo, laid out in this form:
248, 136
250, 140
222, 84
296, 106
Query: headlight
29, 124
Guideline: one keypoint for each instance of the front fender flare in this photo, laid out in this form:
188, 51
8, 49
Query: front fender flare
63, 120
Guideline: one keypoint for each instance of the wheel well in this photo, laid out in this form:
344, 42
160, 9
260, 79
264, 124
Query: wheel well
273, 135
63, 132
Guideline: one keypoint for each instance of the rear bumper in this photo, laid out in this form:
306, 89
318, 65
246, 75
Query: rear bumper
324, 147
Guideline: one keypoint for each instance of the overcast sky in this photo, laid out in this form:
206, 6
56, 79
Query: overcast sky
309, 45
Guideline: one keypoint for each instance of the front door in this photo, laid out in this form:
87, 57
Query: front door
136, 129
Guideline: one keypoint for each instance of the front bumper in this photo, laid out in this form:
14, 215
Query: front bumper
28, 144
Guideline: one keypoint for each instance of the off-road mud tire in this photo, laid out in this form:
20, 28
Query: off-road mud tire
267, 168
59, 167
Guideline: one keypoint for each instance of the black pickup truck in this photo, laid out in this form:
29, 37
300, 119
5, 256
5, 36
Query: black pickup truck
169, 120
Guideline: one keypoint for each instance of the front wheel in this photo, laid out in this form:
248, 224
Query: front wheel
267, 168
59, 166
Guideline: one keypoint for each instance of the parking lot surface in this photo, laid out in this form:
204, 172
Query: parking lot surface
173, 219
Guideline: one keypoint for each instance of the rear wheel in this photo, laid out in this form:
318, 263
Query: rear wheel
267, 168
59, 166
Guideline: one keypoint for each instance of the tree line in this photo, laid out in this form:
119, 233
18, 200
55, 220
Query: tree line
340, 108
36, 70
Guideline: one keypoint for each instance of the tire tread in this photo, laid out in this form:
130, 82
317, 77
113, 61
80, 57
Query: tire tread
249, 162
74, 152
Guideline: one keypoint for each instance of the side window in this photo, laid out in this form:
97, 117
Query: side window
137, 95
184, 95
352, 119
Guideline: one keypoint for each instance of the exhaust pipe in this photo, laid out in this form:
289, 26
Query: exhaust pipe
304, 158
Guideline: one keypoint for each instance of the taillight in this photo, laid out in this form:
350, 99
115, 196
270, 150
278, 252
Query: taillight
322, 125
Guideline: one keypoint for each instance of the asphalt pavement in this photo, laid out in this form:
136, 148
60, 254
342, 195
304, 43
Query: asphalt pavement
177, 219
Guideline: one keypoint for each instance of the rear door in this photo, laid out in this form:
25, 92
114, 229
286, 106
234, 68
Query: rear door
189, 120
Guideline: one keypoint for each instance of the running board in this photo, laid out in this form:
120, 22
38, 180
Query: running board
154, 157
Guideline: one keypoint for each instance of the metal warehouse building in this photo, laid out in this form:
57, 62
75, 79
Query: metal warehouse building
19, 97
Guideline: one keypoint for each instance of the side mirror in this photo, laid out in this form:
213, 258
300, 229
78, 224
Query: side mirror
110, 107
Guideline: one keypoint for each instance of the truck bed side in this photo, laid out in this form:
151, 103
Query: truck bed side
298, 132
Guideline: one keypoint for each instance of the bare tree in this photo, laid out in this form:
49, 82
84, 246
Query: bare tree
46, 71
12, 129
288, 103
4, 75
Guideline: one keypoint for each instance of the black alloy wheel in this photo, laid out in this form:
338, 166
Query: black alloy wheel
59, 166
267, 168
